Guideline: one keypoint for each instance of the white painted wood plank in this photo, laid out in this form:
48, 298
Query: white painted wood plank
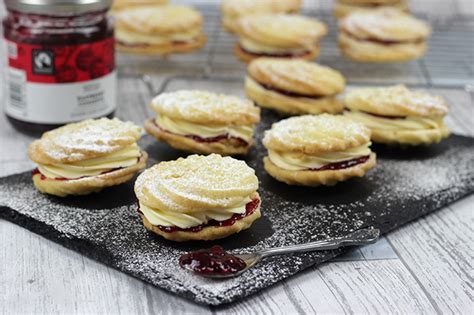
373, 287
291, 296
39, 276
438, 250
84, 286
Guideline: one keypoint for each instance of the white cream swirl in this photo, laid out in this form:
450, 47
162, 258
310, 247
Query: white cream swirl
259, 48
407, 123
187, 220
91, 167
134, 38
185, 128
299, 161
191, 191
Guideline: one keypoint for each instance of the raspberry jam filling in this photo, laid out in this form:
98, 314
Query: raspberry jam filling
342, 165
249, 209
277, 55
241, 142
384, 116
212, 261
286, 92
384, 42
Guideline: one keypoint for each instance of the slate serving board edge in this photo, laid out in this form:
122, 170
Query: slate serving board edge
103, 256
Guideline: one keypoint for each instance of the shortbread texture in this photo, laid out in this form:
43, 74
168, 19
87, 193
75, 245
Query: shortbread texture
292, 86
282, 30
383, 35
299, 149
83, 140
205, 107
311, 134
85, 157
190, 191
232, 10
398, 115
343, 8
159, 30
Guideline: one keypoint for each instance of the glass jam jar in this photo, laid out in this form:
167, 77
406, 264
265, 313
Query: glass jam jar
59, 62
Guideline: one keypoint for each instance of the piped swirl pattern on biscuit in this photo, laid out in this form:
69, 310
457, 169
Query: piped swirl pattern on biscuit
87, 156
383, 35
180, 195
232, 10
159, 30
343, 8
279, 35
204, 122
317, 150
396, 114
294, 86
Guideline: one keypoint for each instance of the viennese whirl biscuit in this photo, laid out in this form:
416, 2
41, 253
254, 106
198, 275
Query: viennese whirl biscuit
278, 35
232, 10
159, 30
198, 198
204, 122
86, 157
383, 35
397, 115
293, 86
317, 150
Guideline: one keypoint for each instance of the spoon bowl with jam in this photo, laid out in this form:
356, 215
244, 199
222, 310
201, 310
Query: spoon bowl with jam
215, 262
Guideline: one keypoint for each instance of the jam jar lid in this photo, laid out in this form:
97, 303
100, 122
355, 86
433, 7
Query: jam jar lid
51, 7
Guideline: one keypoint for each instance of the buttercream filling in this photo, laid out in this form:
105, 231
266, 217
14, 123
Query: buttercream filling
186, 128
384, 41
259, 48
406, 123
128, 37
299, 161
187, 220
92, 167
262, 86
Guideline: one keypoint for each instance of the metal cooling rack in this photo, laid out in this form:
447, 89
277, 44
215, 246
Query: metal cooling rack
448, 63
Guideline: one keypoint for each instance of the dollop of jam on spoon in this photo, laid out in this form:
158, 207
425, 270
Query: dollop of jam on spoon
214, 261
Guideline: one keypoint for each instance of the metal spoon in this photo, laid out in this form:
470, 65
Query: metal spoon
359, 237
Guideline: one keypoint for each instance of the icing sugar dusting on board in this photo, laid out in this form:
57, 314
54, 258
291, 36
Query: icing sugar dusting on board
404, 185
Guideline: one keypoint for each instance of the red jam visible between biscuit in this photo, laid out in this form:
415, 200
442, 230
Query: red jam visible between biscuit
249, 209
286, 92
384, 42
196, 138
277, 55
342, 165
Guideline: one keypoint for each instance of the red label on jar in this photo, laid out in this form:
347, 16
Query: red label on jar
62, 64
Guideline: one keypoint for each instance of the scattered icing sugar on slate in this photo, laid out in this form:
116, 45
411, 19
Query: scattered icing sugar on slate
406, 184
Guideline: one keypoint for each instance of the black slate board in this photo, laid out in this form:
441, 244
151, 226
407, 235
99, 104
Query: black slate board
406, 184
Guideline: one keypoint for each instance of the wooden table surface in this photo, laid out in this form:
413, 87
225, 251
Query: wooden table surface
424, 267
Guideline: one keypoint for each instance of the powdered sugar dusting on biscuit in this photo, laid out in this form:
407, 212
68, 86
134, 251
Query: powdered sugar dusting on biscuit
281, 30
83, 140
206, 107
297, 76
396, 100
196, 183
310, 134
107, 227
385, 24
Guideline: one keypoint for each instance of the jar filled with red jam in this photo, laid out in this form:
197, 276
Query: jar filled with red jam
59, 62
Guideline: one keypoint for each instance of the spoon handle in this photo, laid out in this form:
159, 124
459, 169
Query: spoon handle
359, 237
